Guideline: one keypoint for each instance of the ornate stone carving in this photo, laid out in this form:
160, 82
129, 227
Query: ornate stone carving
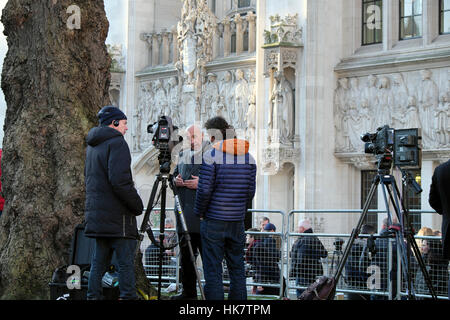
283, 30
276, 156
415, 99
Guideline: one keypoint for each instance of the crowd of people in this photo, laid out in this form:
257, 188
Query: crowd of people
215, 194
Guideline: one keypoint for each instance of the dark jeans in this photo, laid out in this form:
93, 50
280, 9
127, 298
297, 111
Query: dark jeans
101, 258
223, 239
187, 274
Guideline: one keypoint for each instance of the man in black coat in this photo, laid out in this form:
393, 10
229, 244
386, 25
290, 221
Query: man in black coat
112, 203
186, 179
439, 199
305, 256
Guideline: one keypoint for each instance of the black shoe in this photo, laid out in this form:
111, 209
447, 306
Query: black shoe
183, 297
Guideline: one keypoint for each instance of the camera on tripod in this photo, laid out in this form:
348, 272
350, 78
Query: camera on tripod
401, 147
165, 138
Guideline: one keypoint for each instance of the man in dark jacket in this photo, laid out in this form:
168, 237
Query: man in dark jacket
439, 199
305, 255
186, 179
265, 257
226, 185
112, 202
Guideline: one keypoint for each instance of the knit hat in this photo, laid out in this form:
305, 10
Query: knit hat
108, 114
270, 227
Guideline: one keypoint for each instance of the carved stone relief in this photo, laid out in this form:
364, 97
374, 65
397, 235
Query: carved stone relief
417, 99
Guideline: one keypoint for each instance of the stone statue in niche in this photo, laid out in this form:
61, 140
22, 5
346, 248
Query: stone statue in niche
241, 94
282, 108
442, 115
428, 101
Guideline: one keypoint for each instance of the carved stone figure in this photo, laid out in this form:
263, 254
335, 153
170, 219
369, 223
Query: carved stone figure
371, 95
428, 101
412, 113
282, 108
442, 115
210, 96
340, 106
227, 92
241, 94
173, 101
383, 110
160, 100
399, 100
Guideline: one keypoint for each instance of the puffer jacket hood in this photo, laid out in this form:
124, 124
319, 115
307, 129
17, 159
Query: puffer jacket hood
98, 135
233, 146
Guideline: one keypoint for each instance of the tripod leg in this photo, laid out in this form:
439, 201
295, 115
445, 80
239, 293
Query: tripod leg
410, 241
413, 245
161, 232
186, 235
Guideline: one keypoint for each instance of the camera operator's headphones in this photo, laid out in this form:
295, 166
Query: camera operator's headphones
116, 123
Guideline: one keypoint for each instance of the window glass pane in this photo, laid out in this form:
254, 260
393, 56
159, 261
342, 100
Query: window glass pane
368, 35
417, 6
407, 8
244, 3
406, 28
445, 22
366, 12
417, 26
371, 21
445, 4
378, 35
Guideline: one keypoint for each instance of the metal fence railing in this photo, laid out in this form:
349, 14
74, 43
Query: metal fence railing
285, 262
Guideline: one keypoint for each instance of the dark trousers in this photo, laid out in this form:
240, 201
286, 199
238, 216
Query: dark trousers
187, 272
223, 239
101, 258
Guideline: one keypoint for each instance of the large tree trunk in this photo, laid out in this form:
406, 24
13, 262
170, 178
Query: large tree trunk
55, 80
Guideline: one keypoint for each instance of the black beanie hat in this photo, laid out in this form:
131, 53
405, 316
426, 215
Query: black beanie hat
109, 113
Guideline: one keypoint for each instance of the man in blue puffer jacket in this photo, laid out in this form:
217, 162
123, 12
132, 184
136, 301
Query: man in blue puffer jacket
226, 184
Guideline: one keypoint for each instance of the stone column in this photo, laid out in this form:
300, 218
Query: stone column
216, 41
226, 36
165, 47
251, 18
155, 51
174, 44
239, 34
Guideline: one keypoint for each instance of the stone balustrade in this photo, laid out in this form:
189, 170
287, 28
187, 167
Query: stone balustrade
232, 36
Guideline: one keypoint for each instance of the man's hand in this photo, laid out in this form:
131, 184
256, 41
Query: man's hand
191, 184
179, 181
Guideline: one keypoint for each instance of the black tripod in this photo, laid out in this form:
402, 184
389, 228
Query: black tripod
166, 179
389, 188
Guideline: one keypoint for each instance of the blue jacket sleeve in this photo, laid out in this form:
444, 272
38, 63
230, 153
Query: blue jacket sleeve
206, 183
252, 186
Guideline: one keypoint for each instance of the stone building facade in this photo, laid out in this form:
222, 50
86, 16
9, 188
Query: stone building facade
301, 80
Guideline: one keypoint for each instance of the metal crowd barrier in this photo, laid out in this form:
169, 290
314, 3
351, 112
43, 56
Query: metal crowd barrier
270, 264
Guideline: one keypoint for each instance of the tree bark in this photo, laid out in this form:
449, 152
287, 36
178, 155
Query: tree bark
55, 80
